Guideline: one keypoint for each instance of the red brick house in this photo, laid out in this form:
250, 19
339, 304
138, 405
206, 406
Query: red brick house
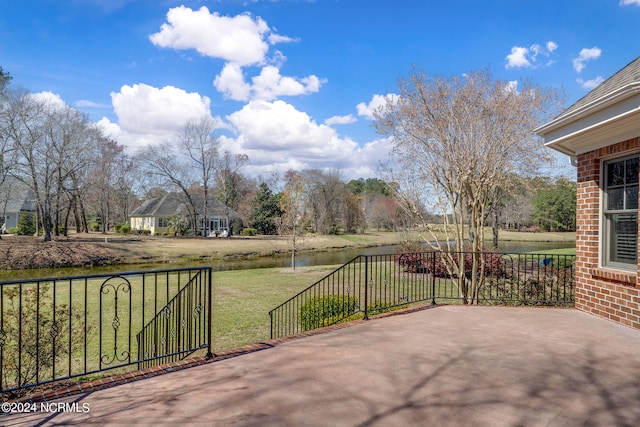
601, 133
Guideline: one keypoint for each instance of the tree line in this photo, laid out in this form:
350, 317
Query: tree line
81, 179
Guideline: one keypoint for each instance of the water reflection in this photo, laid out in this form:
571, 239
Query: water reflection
315, 258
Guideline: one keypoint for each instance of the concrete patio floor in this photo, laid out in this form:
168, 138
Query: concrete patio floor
447, 366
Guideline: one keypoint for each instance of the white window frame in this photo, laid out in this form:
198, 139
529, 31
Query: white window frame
606, 223
162, 222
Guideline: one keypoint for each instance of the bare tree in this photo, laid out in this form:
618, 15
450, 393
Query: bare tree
72, 139
51, 141
7, 151
201, 147
292, 205
455, 141
326, 196
110, 182
161, 163
228, 180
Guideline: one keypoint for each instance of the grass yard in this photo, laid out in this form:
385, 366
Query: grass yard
242, 300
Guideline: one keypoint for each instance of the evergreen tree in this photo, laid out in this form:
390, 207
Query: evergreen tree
265, 209
26, 225
555, 206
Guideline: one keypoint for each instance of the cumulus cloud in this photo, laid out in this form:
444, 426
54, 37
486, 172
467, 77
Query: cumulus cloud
518, 57
528, 57
278, 137
586, 54
239, 39
268, 85
49, 99
340, 120
274, 134
590, 84
366, 110
629, 2
231, 83
149, 115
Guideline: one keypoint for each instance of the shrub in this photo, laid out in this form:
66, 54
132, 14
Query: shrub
317, 312
146, 232
538, 290
44, 341
12, 230
236, 225
249, 232
119, 226
443, 264
26, 225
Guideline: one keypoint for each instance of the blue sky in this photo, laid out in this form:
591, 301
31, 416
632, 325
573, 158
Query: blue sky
292, 83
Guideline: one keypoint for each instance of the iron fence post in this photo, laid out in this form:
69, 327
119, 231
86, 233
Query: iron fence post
366, 287
209, 354
433, 278
271, 324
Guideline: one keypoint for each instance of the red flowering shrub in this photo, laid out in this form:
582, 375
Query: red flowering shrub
447, 264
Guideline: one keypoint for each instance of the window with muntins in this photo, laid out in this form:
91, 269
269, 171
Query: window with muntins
620, 211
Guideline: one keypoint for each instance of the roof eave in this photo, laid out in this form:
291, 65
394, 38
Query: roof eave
599, 104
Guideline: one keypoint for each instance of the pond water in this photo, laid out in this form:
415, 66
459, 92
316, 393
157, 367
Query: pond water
332, 257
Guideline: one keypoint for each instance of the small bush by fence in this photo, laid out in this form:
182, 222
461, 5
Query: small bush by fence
327, 310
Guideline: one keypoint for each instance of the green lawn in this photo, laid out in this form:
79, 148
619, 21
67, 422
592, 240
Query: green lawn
243, 299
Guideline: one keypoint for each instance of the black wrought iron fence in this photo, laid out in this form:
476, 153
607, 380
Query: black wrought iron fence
370, 284
60, 328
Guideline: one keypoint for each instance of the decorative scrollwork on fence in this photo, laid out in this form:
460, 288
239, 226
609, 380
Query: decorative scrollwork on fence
117, 289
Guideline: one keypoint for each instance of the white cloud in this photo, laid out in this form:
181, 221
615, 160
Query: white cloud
340, 120
276, 38
274, 134
110, 129
377, 101
518, 57
49, 99
90, 104
268, 85
277, 137
240, 39
629, 2
148, 115
231, 83
527, 57
584, 56
590, 84
271, 85
511, 86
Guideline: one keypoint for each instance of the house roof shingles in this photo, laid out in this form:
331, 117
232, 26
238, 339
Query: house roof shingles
628, 75
172, 204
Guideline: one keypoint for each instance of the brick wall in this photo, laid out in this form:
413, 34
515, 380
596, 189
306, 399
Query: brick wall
608, 293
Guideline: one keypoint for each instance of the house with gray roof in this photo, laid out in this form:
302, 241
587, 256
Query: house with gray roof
601, 133
154, 214
15, 199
